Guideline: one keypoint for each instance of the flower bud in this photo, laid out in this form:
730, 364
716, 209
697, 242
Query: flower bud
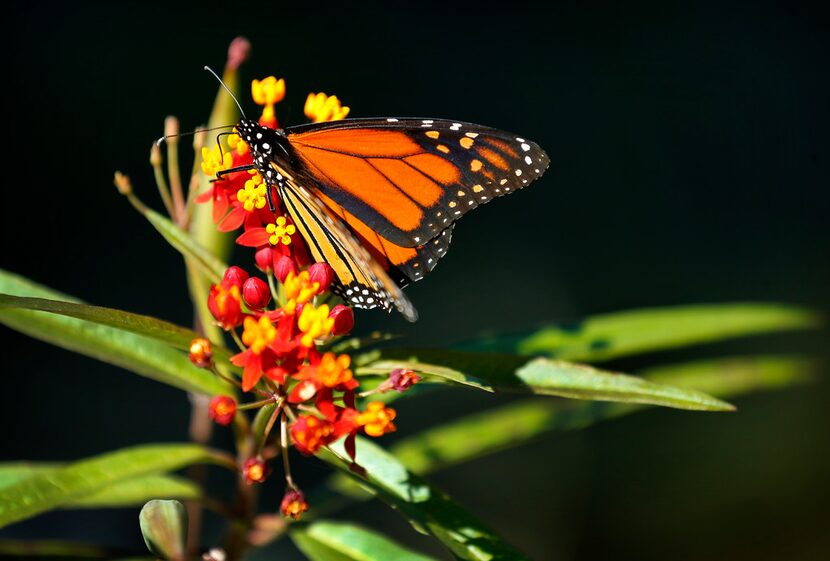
401, 379
293, 504
225, 304
234, 276
284, 265
254, 470
343, 317
201, 353
222, 410
264, 258
256, 293
323, 274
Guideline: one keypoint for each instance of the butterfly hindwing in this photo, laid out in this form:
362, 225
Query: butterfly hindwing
409, 179
360, 279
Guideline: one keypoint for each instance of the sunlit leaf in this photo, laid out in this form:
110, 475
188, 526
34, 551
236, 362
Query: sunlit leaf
541, 376
427, 508
131, 492
618, 334
136, 353
17, 549
339, 541
63, 486
515, 424
160, 330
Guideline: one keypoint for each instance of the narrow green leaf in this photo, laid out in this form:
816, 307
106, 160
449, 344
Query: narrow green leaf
15, 549
210, 265
130, 492
515, 424
136, 353
541, 376
60, 487
148, 326
426, 507
607, 336
339, 541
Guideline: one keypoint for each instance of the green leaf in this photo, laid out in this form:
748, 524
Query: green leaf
541, 376
426, 507
60, 487
515, 424
607, 336
164, 528
15, 549
131, 492
136, 353
160, 330
210, 265
339, 541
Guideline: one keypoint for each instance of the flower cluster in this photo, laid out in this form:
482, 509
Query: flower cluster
283, 325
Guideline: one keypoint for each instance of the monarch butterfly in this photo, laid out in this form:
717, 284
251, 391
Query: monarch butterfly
377, 199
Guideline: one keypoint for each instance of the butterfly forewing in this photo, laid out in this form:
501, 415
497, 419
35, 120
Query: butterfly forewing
409, 179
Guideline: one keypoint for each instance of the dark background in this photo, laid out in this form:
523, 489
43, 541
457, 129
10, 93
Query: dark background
689, 158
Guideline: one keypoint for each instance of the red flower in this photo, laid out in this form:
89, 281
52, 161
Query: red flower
254, 470
222, 409
225, 304
311, 433
200, 352
256, 294
343, 317
293, 504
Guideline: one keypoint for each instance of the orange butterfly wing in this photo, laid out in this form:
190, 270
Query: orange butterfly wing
408, 180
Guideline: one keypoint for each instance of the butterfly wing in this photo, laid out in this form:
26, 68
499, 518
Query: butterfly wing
361, 280
409, 180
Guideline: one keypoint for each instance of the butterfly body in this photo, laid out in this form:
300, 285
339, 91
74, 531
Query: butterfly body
378, 198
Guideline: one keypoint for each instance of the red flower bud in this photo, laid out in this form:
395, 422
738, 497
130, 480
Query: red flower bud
254, 470
264, 258
200, 352
225, 304
343, 319
282, 266
321, 273
401, 379
234, 276
293, 504
222, 409
256, 293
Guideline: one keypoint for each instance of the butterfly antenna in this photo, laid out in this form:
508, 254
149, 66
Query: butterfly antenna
215, 75
166, 136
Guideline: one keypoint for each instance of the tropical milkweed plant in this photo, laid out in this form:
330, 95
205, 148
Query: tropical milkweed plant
275, 359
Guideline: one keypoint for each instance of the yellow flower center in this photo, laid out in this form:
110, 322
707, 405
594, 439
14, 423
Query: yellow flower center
321, 107
299, 289
314, 323
258, 334
280, 232
377, 419
214, 160
334, 370
253, 195
236, 143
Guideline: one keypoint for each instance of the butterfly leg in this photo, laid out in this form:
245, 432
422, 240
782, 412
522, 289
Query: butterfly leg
224, 172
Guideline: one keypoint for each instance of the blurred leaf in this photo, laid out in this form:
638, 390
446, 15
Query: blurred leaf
164, 528
515, 424
160, 330
60, 487
208, 263
427, 508
14, 549
136, 353
131, 492
345, 345
607, 336
541, 376
263, 415
339, 541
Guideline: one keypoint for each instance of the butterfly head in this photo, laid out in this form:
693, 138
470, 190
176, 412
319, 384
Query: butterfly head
267, 146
